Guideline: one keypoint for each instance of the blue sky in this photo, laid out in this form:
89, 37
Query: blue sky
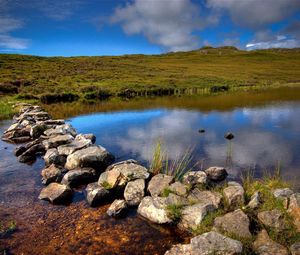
111, 27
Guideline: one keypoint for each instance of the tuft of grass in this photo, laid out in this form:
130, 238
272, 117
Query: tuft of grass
166, 192
174, 211
158, 159
106, 185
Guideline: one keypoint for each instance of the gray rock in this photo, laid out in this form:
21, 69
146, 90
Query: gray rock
216, 173
295, 249
236, 223
78, 143
255, 200
55, 141
234, 195
80, 176
180, 249
264, 245
283, 193
173, 199
96, 194
110, 179
37, 130
91, 137
96, 157
273, 219
205, 196
52, 157
56, 193
158, 183
194, 178
294, 209
134, 192
153, 209
52, 173
179, 188
65, 129
117, 208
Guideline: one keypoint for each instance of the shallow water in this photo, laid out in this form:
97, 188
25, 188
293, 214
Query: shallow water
266, 126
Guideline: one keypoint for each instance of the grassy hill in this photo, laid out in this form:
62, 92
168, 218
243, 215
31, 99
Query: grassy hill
212, 69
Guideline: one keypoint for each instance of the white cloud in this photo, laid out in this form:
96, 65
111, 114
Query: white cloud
256, 13
9, 42
8, 24
279, 42
169, 23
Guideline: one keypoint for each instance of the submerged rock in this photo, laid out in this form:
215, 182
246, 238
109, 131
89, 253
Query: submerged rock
216, 173
153, 209
158, 183
96, 194
134, 192
96, 157
56, 193
229, 136
117, 208
80, 176
264, 245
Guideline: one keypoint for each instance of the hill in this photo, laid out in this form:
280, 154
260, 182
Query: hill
213, 69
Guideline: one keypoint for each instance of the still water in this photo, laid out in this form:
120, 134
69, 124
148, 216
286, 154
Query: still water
266, 126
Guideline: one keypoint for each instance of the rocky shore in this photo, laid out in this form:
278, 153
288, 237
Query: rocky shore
240, 224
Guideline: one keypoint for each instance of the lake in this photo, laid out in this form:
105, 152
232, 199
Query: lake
266, 126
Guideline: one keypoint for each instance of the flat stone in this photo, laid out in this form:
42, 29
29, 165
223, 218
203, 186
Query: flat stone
117, 208
55, 141
134, 192
153, 209
179, 188
195, 177
234, 195
205, 196
96, 157
110, 179
264, 245
283, 193
80, 176
19, 150
294, 209
52, 157
52, 173
90, 137
273, 219
78, 143
158, 183
61, 130
216, 173
56, 193
37, 130
236, 223
96, 194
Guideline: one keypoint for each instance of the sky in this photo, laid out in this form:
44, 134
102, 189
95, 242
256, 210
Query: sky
111, 27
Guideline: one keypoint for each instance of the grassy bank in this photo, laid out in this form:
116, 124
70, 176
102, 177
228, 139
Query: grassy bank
206, 70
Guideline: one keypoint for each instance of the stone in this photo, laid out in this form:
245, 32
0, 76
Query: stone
91, 137
117, 208
194, 178
78, 143
21, 139
56, 193
33, 150
134, 192
158, 183
295, 249
179, 188
37, 130
110, 179
80, 176
294, 209
96, 194
272, 219
193, 215
264, 245
234, 194
283, 193
180, 249
229, 136
54, 122
216, 173
205, 196
173, 199
96, 157
19, 150
55, 141
236, 223
65, 129
255, 200
52, 157
52, 173
153, 209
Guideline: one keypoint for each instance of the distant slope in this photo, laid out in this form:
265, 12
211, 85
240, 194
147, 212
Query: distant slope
199, 69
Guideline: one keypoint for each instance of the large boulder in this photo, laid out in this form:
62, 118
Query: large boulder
195, 177
56, 193
110, 179
134, 192
78, 143
234, 195
264, 245
294, 209
96, 157
52, 157
236, 223
154, 209
52, 173
158, 183
55, 141
207, 244
272, 219
117, 208
205, 196
80, 176
216, 173
96, 194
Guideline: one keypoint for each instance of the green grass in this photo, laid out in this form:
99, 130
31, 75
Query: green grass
166, 192
174, 212
106, 185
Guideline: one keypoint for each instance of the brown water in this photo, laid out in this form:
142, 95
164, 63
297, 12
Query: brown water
267, 133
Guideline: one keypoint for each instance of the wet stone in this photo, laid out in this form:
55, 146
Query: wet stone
56, 193
117, 208
96, 194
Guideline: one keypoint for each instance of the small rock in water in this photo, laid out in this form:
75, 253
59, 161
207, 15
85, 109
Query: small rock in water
201, 131
134, 192
79, 176
96, 194
229, 136
56, 193
117, 208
